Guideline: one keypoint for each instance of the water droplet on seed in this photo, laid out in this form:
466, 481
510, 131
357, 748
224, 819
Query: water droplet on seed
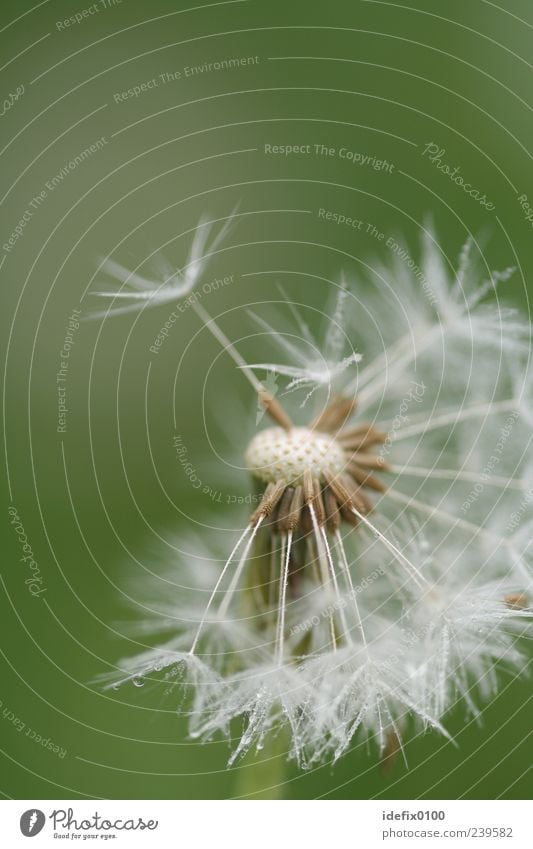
138, 681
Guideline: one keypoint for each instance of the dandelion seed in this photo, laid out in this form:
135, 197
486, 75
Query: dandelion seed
330, 368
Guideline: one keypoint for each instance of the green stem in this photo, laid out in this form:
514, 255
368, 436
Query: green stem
263, 775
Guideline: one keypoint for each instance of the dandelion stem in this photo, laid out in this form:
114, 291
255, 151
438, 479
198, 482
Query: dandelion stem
264, 777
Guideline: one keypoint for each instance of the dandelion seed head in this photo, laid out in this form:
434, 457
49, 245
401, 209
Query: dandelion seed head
275, 454
339, 637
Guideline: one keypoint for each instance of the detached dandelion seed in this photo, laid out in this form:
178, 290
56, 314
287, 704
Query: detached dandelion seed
382, 577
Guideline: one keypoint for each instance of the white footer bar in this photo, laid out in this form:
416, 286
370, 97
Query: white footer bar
267, 824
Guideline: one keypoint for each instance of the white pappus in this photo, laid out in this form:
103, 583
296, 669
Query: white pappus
385, 573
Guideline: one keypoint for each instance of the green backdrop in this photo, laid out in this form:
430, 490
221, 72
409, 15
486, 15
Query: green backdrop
99, 158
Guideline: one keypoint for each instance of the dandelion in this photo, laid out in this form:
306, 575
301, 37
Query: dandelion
362, 599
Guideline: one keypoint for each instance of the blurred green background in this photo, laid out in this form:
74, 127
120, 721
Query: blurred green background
383, 79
